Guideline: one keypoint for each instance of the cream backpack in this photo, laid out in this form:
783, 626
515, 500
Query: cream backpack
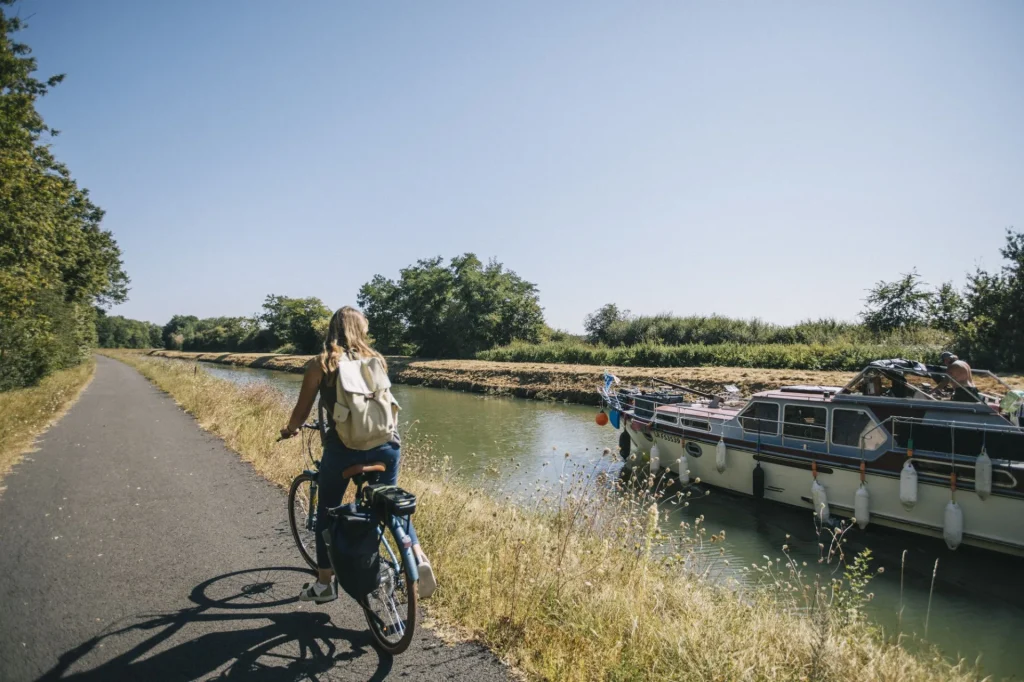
365, 412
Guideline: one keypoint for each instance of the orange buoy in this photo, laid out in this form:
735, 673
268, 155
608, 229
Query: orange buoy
601, 419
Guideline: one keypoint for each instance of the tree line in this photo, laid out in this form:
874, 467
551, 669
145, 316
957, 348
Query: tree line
57, 264
285, 324
433, 309
464, 307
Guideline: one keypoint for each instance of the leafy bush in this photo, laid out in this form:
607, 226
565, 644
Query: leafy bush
47, 335
116, 331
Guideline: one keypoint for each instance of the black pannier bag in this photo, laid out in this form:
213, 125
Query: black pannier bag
389, 500
353, 545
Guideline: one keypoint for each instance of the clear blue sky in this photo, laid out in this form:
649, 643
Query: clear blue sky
768, 159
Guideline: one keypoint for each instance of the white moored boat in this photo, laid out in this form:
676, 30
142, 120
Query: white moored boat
887, 448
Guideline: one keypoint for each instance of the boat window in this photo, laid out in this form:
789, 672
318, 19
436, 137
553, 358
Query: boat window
668, 418
850, 426
697, 424
693, 450
804, 421
763, 417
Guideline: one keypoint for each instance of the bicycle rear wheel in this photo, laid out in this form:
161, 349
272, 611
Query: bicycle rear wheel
390, 610
302, 516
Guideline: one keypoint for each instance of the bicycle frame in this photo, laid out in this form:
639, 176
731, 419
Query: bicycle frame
313, 486
404, 544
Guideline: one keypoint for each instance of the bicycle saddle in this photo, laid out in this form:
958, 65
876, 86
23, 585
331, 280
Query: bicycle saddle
359, 469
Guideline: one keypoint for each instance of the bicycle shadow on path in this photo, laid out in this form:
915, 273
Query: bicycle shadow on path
232, 632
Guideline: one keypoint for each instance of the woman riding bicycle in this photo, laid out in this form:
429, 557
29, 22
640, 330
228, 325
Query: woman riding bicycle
347, 335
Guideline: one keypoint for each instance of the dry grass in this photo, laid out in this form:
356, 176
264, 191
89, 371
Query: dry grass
27, 412
563, 583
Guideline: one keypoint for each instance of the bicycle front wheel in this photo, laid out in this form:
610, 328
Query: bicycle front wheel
302, 516
390, 610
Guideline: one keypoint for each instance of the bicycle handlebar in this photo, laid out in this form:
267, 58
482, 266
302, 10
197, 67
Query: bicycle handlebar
312, 426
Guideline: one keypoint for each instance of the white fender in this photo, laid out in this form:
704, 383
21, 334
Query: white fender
684, 470
983, 475
953, 525
655, 459
820, 501
862, 506
720, 455
908, 485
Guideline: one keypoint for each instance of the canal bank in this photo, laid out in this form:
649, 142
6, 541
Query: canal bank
539, 381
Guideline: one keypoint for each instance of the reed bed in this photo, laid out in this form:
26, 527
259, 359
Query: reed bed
27, 412
822, 357
575, 582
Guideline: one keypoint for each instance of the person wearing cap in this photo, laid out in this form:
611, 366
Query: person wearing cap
959, 372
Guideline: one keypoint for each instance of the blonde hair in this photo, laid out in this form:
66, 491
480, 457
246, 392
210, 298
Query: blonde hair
349, 332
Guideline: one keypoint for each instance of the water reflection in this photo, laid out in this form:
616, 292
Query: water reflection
518, 444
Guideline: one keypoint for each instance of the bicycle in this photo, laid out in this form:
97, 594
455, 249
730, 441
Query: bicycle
390, 609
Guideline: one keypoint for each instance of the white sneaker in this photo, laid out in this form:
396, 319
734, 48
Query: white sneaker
310, 593
427, 583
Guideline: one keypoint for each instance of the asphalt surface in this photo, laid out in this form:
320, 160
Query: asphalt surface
134, 546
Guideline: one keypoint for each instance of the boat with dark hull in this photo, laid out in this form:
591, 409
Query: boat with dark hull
889, 448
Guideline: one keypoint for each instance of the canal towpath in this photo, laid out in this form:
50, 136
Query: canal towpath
136, 546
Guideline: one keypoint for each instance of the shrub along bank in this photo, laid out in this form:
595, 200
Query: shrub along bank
571, 589
835, 357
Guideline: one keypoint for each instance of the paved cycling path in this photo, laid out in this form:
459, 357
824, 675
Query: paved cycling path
134, 546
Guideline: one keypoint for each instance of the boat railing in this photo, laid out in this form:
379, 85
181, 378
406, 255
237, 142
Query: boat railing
992, 375
615, 402
952, 424
975, 394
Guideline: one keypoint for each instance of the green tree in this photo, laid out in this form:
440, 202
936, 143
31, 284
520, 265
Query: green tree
381, 302
993, 333
120, 332
599, 323
179, 331
464, 307
298, 321
56, 262
947, 309
898, 305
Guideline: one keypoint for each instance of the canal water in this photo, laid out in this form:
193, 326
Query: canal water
977, 604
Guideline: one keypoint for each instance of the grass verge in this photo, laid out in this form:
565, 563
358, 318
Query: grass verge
565, 586
27, 412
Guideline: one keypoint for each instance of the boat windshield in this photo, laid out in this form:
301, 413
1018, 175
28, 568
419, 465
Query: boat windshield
913, 380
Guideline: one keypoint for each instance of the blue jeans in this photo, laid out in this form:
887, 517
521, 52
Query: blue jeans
332, 485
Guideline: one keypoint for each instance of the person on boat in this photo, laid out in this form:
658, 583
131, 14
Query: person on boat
348, 334
958, 373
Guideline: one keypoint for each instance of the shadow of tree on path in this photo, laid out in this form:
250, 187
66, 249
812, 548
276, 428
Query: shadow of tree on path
231, 625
